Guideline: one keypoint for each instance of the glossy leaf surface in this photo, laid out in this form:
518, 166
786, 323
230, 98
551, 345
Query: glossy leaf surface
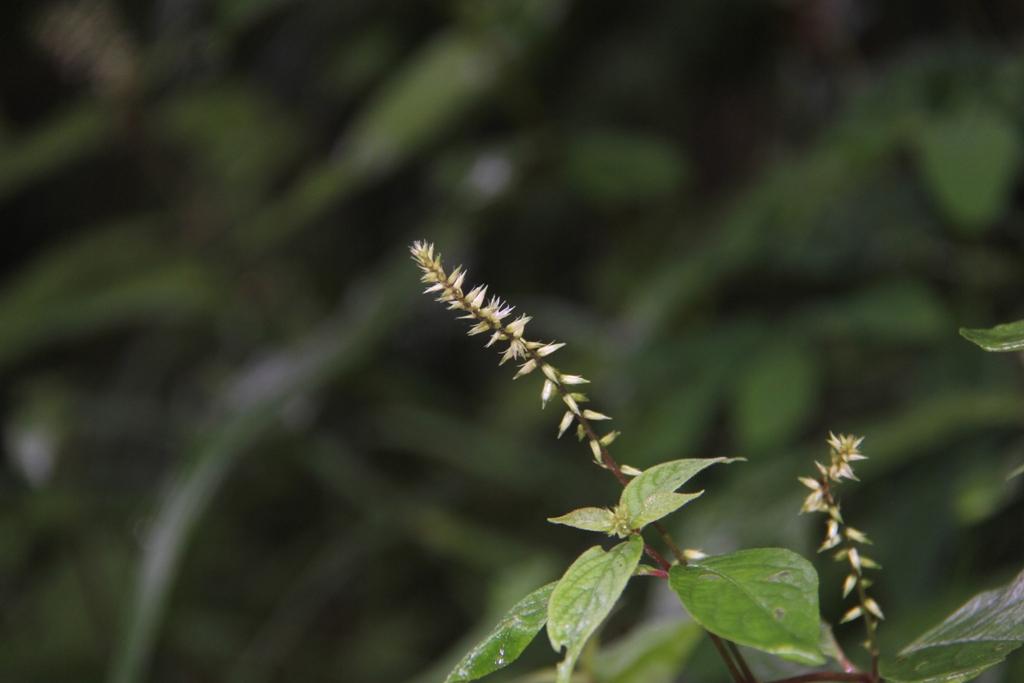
638, 496
764, 598
509, 638
585, 595
978, 635
661, 505
1005, 337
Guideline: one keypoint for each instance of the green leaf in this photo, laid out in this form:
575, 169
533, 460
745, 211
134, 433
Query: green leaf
828, 643
661, 505
1016, 473
978, 635
890, 312
664, 478
53, 145
236, 138
651, 654
775, 396
1005, 337
507, 641
968, 160
615, 167
585, 595
304, 366
588, 519
766, 598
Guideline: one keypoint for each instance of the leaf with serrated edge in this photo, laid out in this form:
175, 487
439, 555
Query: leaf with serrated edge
585, 595
1005, 337
765, 598
588, 519
507, 641
663, 478
978, 635
660, 505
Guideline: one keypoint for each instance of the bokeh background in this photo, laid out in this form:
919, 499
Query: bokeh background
239, 445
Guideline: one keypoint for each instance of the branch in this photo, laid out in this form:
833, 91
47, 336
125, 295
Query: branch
822, 676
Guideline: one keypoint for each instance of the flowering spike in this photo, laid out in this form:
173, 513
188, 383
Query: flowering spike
843, 451
867, 563
487, 314
829, 543
526, 368
494, 337
545, 393
857, 536
517, 326
479, 328
854, 558
849, 584
564, 424
549, 349
872, 606
851, 614
476, 296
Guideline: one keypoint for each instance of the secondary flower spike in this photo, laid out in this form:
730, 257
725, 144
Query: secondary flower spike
844, 450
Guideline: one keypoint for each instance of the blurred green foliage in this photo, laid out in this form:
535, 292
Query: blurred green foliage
239, 446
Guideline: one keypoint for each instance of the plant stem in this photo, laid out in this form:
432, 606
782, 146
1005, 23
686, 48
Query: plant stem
667, 540
724, 654
612, 466
822, 676
870, 622
741, 661
454, 294
844, 661
658, 558
488, 319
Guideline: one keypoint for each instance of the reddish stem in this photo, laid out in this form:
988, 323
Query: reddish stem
822, 676
657, 557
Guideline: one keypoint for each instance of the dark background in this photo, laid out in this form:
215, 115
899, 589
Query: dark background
239, 445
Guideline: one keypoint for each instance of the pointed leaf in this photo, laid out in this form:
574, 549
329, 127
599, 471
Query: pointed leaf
978, 635
508, 639
588, 519
661, 505
766, 598
968, 161
1005, 337
775, 395
585, 595
663, 478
